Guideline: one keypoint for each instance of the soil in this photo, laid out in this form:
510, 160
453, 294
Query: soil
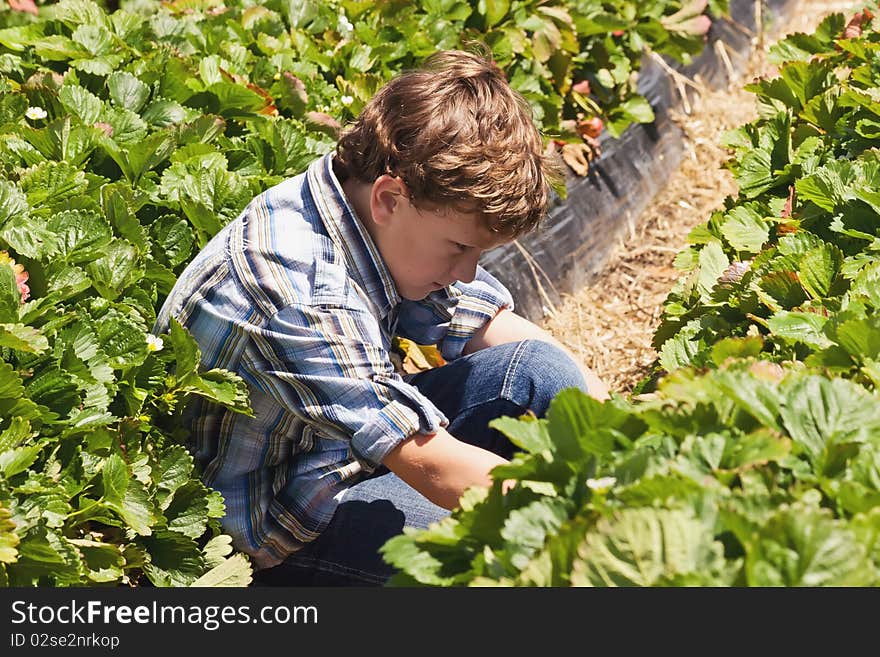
609, 325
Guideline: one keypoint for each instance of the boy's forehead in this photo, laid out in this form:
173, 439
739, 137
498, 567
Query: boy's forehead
471, 229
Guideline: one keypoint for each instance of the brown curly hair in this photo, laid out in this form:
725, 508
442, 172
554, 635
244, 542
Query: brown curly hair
458, 136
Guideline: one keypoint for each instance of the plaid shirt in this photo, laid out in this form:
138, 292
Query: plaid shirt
294, 297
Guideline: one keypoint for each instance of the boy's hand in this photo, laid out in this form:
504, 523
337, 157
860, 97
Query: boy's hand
442, 467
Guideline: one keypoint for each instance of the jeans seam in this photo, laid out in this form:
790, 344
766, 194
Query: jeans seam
336, 569
507, 387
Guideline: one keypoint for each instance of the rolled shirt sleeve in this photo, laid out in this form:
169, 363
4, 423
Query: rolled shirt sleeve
450, 317
326, 365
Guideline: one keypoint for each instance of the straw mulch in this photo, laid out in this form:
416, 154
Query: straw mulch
609, 325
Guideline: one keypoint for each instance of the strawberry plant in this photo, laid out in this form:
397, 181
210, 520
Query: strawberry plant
789, 268
753, 461
127, 140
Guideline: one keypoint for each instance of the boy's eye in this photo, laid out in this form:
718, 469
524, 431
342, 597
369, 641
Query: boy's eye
461, 247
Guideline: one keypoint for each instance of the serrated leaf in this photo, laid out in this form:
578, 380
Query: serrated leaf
819, 269
114, 271
8, 538
860, 337
756, 448
121, 339
80, 236
819, 411
578, 426
782, 290
13, 202
713, 264
127, 91
234, 571
114, 477
137, 510
531, 435
174, 470
800, 327
745, 229
217, 549
527, 528
805, 547
81, 103
223, 387
645, 547
186, 350
22, 338
188, 511
174, 559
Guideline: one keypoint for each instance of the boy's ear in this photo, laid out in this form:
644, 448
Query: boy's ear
387, 198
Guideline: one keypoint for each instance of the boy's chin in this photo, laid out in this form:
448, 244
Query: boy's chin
418, 293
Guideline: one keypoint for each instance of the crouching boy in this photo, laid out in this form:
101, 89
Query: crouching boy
303, 292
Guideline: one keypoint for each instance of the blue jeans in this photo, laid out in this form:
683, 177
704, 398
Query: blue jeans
498, 381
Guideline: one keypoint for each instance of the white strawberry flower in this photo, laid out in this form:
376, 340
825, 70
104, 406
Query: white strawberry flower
36, 113
154, 342
344, 25
347, 100
601, 484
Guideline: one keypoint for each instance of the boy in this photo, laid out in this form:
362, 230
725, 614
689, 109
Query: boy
301, 296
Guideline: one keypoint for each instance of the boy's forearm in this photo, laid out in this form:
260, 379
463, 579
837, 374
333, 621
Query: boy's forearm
441, 467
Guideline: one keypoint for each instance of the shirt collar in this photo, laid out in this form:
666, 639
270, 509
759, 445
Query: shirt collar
346, 230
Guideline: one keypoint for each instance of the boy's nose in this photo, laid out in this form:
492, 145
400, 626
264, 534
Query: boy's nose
465, 270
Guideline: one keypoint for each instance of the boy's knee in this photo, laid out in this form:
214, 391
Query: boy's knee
537, 372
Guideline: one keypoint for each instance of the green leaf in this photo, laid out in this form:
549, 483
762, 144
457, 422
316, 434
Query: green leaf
680, 350
175, 469
137, 510
104, 562
174, 559
645, 547
81, 103
114, 476
804, 546
781, 290
16, 433
80, 236
10, 297
121, 339
860, 337
744, 229
8, 538
828, 187
526, 529
757, 448
174, 239
494, 11
127, 91
19, 459
188, 511
819, 269
819, 411
118, 268
222, 387
713, 264
800, 327
736, 348
23, 338
13, 203
579, 426
163, 113
234, 571
529, 434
